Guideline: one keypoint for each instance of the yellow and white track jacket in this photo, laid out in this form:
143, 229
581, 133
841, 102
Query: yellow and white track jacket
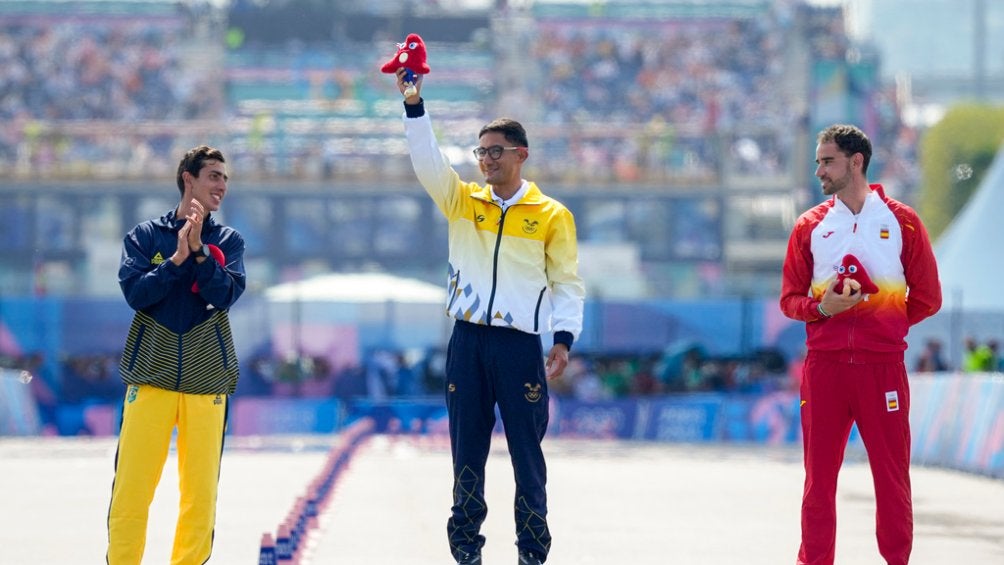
515, 269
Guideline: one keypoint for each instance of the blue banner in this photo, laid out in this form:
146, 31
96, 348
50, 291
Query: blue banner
684, 419
612, 419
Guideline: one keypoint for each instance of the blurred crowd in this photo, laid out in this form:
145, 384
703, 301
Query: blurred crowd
385, 374
86, 380
981, 357
977, 357
681, 99
379, 376
661, 100
605, 377
688, 86
68, 85
101, 70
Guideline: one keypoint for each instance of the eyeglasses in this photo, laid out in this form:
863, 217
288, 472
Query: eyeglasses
495, 152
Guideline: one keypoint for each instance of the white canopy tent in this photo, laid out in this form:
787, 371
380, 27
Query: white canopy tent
358, 288
341, 316
969, 252
970, 266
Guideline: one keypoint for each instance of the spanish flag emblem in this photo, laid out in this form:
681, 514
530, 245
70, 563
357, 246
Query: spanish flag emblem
892, 401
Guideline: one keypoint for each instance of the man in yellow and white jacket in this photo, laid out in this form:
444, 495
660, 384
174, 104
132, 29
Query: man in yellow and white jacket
513, 275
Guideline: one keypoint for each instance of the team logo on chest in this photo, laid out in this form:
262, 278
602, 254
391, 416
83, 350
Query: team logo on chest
530, 226
884, 232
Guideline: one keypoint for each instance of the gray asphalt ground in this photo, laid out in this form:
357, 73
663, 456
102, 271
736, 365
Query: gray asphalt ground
611, 502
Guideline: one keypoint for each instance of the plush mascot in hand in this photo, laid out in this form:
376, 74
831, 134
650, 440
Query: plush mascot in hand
412, 56
851, 268
217, 254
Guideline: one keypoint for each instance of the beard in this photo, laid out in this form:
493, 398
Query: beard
833, 186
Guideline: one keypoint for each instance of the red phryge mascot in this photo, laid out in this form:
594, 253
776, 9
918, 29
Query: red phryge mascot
851, 268
412, 56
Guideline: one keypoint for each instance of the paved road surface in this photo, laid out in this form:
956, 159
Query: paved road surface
611, 503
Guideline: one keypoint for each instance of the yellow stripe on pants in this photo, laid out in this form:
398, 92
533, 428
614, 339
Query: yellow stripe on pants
149, 417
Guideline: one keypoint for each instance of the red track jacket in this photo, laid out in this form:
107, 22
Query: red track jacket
892, 245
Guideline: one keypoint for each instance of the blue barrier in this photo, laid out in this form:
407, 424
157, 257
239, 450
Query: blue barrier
264, 415
404, 411
957, 419
767, 418
958, 422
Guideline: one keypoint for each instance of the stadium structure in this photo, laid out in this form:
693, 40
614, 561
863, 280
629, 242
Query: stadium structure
679, 133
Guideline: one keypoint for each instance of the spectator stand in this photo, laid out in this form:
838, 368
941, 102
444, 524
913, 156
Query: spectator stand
79, 73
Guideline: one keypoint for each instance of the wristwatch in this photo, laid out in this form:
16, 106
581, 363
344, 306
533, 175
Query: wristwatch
202, 251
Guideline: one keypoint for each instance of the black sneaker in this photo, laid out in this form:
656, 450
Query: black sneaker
529, 558
470, 559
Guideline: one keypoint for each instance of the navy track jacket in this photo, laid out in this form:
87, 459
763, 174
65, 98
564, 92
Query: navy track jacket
179, 339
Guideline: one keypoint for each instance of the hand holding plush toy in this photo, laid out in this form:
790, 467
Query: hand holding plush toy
412, 56
851, 268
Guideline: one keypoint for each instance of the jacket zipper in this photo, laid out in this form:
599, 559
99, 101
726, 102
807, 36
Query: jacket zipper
536, 311
854, 315
177, 381
495, 268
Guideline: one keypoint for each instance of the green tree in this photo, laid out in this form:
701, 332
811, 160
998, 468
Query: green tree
954, 156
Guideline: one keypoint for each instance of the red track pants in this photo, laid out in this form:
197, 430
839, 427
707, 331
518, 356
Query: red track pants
876, 395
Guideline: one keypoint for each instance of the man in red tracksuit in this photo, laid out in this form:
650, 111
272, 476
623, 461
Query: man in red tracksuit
859, 271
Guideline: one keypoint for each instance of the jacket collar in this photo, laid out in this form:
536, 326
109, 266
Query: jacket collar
878, 192
533, 194
170, 221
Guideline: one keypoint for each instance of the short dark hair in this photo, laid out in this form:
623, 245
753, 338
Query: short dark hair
510, 129
193, 161
850, 140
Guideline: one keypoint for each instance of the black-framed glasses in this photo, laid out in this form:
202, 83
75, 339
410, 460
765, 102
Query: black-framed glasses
495, 152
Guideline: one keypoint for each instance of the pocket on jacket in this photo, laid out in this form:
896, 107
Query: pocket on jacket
140, 332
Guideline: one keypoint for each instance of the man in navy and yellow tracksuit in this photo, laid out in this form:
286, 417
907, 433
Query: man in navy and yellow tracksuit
512, 276
181, 273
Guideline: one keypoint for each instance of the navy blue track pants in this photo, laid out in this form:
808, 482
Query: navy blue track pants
488, 366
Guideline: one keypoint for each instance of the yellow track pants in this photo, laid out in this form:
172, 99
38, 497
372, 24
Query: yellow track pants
149, 418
